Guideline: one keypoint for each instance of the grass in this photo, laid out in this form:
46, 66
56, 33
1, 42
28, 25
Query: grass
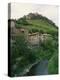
53, 65
41, 25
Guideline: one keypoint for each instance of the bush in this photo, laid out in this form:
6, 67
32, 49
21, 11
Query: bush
53, 65
22, 21
20, 51
33, 30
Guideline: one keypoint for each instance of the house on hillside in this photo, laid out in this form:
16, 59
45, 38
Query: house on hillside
44, 37
33, 38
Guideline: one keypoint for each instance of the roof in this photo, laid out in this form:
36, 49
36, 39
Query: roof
32, 34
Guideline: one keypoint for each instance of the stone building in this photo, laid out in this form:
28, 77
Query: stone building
33, 38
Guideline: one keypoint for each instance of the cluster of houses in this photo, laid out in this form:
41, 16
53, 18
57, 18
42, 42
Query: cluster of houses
32, 38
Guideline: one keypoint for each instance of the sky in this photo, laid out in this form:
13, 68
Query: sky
20, 9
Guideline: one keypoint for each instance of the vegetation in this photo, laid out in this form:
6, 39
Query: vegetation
53, 65
22, 56
20, 22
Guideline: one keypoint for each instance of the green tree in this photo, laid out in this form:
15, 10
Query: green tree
53, 65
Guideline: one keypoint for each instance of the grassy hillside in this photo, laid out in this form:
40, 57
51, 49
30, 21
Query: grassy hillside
42, 24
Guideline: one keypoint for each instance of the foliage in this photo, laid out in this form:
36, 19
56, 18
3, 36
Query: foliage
33, 30
53, 65
21, 55
21, 21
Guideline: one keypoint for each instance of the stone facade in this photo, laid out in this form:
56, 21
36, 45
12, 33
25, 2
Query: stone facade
33, 38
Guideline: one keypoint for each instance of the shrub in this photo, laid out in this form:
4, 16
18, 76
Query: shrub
53, 64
